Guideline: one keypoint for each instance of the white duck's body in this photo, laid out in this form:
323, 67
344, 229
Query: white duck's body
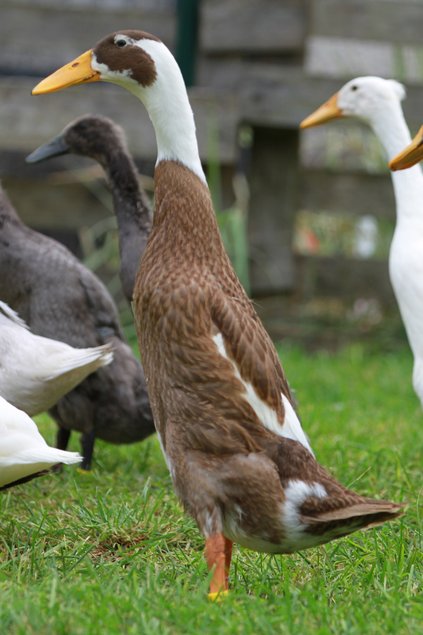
35, 372
23, 451
377, 101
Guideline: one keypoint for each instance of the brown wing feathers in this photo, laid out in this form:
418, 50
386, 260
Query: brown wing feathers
250, 348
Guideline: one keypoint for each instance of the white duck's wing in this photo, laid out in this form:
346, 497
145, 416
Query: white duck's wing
35, 372
23, 451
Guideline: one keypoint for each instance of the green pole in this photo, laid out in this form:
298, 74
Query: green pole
186, 38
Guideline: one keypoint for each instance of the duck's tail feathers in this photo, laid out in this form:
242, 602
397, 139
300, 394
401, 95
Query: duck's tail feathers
12, 315
55, 456
45, 455
81, 361
29, 464
361, 515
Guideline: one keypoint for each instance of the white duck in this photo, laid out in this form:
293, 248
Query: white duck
377, 101
35, 371
23, 452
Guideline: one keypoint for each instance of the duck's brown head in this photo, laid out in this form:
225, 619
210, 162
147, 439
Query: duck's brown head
118, 58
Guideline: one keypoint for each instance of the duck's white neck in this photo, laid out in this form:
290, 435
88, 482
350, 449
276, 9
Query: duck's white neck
390, 127
169, 109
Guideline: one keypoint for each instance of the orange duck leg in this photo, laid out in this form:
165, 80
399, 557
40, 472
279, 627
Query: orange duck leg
218, 554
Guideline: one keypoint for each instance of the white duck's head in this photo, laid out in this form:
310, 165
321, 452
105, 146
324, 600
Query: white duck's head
142, 64
368, 98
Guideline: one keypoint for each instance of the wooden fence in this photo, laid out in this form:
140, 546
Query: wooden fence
261, 63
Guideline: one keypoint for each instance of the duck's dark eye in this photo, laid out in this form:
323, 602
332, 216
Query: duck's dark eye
121, 43
354, 87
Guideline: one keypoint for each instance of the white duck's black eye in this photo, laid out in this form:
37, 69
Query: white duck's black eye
121, 43
354, 87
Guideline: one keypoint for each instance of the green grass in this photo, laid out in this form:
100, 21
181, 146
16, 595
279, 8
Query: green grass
113, 553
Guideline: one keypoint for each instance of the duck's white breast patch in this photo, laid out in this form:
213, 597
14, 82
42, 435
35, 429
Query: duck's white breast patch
291, 428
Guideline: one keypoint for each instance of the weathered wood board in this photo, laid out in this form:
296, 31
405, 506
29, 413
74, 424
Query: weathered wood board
253, 26
353, 193
397, 21
345, 278
273, 205
38, 37
339, 57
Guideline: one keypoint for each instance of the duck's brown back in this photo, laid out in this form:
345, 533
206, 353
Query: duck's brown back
186, 295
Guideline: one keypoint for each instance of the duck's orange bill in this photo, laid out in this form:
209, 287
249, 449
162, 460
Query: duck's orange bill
329, 110
77, 72
411, 155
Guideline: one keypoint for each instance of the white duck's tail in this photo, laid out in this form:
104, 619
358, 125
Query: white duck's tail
28, 464
78, 363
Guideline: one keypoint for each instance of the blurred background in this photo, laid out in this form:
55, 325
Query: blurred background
307, 217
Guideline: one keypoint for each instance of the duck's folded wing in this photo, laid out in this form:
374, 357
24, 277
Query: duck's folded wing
240, 336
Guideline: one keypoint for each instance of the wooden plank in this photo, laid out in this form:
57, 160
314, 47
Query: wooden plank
273, 204
355, 193
27, 121
256, 26
104, 5
268, 92
38, 39
339, 57
285, 100
272, 94
344, 278
382, 20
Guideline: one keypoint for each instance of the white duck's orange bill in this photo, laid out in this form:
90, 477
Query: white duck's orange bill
411, 155
329, 110
78, 71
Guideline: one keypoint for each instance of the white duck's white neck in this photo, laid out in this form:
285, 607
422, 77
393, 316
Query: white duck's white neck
169, 109
393, 133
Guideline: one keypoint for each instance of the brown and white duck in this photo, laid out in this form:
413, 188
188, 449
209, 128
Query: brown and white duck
99, 138
239, 459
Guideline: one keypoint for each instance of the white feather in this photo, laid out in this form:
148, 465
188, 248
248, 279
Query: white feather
295, 494
291, 428
23, 450
166, 456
